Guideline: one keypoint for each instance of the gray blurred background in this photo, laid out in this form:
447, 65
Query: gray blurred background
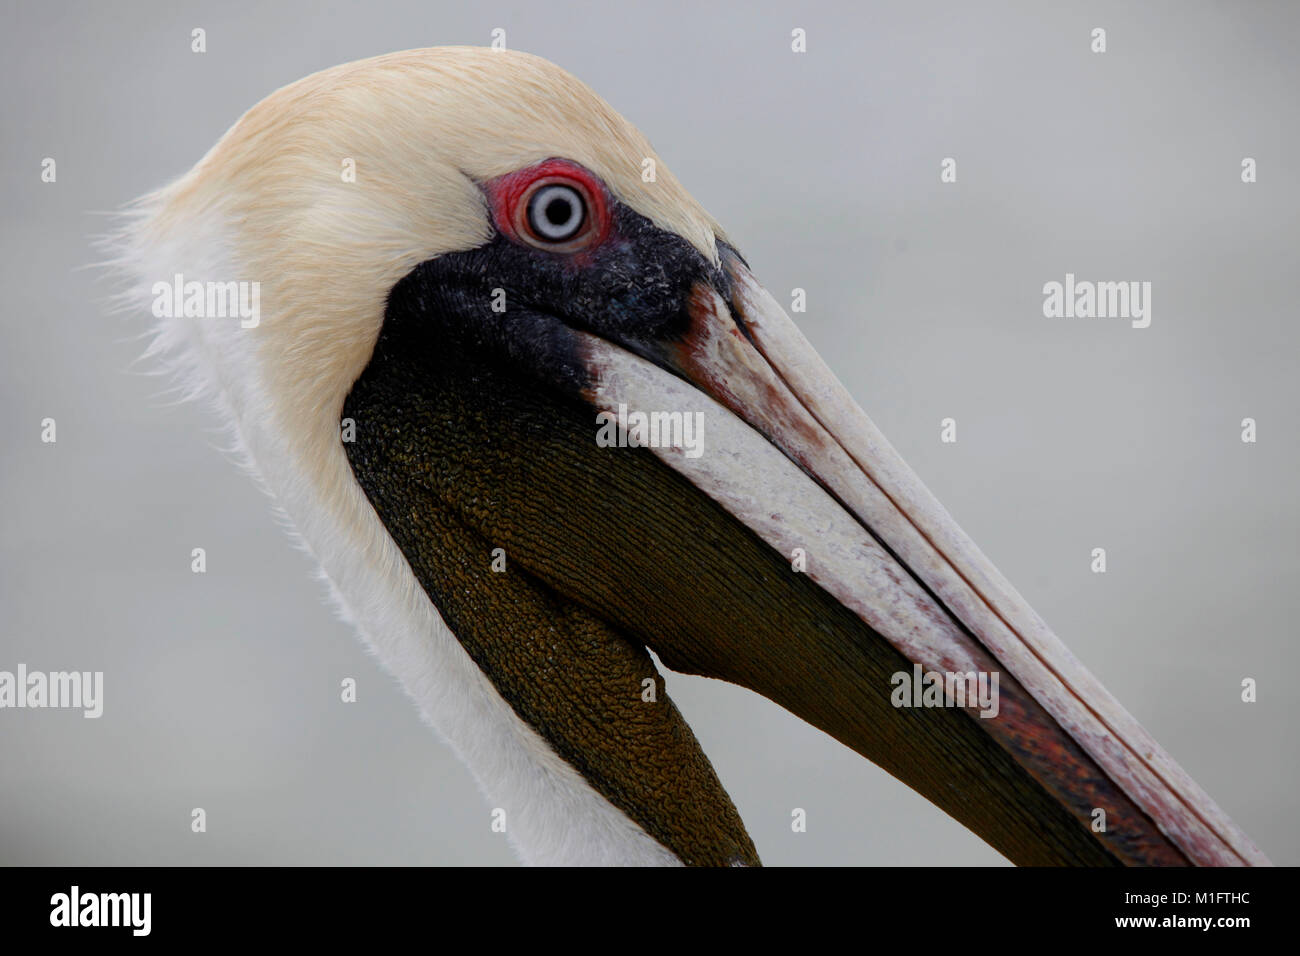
222, 690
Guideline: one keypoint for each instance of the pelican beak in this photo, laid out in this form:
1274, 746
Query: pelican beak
782, 546
992, 717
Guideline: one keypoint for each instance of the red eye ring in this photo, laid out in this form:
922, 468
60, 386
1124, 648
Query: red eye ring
551, 225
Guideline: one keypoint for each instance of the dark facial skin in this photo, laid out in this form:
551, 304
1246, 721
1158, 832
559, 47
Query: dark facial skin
632, 290
472, 434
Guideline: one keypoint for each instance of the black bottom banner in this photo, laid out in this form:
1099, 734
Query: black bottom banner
208, 905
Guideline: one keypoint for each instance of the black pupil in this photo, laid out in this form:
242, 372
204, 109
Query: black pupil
558, 211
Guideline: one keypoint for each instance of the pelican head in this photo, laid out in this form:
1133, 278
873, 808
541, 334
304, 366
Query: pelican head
535, 418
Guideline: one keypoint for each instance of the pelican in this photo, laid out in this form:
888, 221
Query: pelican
470, 272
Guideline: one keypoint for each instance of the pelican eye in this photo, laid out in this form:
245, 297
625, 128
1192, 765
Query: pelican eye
556, 205
556, 213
